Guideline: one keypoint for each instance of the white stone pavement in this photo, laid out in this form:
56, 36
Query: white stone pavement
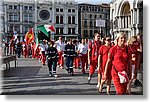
31, 78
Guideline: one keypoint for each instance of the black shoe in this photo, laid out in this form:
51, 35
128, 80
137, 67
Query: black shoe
84, 73
68, 71
137, 83
72, 73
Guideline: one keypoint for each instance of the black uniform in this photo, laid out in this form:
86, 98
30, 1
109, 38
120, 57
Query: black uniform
52, 58
19, 49
69, 54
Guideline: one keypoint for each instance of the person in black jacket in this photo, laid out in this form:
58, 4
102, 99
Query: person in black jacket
19, 48
52, 58
70, 54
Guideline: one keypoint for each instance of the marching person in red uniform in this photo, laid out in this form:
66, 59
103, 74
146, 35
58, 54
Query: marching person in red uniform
102, 59
139, 50
37, 52
43, 48
77, 58
33, 49
93, 54
60, 48
82, 52
133, 50
120, 60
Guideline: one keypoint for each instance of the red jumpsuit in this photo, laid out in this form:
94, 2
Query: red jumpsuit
94, 46
119, 57
25, 51
61, 59
37, 52
77, 62
103, 51
134, 53
33, 50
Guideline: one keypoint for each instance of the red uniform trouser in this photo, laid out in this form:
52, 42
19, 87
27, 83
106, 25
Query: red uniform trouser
93, 65
33, 53
61, 59
121, 88
77, 62
43, 57
84, 61
25, 53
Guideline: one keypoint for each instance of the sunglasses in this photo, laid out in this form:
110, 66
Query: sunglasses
108, 39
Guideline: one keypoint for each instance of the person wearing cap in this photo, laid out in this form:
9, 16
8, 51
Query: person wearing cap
60, 48
52, 58
102, 59
93, 54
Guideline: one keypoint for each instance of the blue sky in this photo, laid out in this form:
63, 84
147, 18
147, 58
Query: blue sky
93, 1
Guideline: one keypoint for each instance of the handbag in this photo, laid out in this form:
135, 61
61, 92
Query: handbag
122, 76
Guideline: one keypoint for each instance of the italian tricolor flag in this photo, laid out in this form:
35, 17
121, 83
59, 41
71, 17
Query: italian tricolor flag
46, 28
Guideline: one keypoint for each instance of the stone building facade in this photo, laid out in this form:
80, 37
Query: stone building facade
88, 14
126, 16
20, 15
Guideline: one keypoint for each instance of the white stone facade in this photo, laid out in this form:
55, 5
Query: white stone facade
20, 15
126, 16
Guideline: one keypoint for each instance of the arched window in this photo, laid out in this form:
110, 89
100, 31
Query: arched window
61, 19
73, 20
69, 20
57, 19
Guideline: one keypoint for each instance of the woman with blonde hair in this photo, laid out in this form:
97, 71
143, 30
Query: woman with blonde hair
119, 58
132, 45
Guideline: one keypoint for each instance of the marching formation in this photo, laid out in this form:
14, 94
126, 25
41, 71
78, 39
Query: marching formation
116, 61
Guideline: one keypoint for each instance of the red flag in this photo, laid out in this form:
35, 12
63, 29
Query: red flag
29, 36
52, 28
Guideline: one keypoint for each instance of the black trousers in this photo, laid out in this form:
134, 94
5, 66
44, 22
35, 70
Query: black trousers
69, 63
52, 63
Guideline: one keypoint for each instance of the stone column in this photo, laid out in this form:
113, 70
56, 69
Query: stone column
53, 12
35, 19
138, 16
131, 17
137, 31
129, 21
65, 20
134, 16
21, 33
120, 22
5, 18
123, 22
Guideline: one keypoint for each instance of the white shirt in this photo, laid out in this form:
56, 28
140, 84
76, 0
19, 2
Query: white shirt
43, 47
60, 46
82, 48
